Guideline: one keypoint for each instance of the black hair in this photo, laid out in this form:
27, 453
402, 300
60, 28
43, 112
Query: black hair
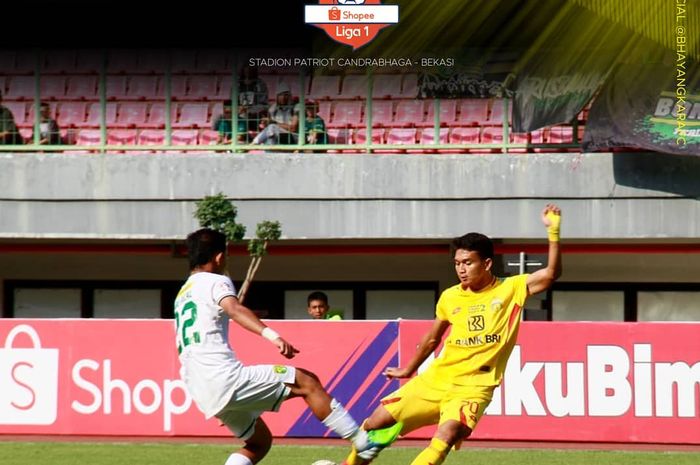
203, 245
317, 295
228, 103
475, 242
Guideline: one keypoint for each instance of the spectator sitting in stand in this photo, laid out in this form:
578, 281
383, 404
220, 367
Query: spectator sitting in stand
9, 134
49, 132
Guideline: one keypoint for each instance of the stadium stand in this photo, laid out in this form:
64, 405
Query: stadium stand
200, 81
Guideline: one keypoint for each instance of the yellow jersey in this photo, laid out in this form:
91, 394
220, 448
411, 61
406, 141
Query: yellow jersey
484, 329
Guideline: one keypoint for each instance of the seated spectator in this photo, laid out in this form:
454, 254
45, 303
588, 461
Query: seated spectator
282, 123
223, 124
318, 308
49, 132
9, 134
252, 98
315, 126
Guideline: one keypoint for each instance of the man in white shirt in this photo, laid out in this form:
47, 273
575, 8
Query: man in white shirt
220, 385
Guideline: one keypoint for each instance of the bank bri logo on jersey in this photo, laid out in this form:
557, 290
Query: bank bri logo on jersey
351, 22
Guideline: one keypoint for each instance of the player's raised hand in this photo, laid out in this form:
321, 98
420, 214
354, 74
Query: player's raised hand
550, 211
395, 372
551, 217
286, 349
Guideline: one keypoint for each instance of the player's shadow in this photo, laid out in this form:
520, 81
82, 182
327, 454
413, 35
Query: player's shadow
676, 174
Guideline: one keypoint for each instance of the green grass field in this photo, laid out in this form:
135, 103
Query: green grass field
63, 453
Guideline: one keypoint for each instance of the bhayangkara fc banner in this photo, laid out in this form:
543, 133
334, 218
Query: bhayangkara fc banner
653, 107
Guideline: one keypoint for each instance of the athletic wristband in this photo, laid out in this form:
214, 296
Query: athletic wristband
269, 334
553, 228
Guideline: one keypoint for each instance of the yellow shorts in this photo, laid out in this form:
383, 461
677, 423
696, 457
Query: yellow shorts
421, 403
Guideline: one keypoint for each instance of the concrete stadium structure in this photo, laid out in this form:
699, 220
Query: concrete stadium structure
354, 223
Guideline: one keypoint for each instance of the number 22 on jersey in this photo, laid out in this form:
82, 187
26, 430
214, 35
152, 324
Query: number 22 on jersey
185, 317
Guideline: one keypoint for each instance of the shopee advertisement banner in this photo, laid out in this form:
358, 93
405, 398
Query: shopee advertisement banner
120, 377
565, 381
619, 382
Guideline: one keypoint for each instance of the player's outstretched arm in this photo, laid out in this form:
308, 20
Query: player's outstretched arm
427, 345
248, 320
542, 280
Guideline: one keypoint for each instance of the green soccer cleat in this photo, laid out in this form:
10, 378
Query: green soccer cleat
379, 439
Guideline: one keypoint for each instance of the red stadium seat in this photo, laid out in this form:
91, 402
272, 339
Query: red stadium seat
202, 86
116, 87
208, 137
89, 137
427, 136
53, 87
184, 137
409, 87
462, 135
382, 113
93, 114
71, 114
325, 87
354, 86
386, 86
20, 88
339, 136
493, 135
409, 113
178, 87
122, 136
143, 88
401, 136
156, 115
377, 136
193, 115
324, 110
82, 87
448, 113
496, 117
473, 112
151, 137
131, 114
346, 114
561, 135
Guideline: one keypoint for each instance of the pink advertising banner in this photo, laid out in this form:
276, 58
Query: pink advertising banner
626, 382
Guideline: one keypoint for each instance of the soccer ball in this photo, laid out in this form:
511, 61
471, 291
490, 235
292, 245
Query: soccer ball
324, 462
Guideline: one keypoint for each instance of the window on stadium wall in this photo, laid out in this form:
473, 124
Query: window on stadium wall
142, 303
588, 306
47, 303
668, 306
409, 305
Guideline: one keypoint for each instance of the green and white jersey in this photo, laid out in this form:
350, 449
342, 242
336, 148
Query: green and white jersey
210, 367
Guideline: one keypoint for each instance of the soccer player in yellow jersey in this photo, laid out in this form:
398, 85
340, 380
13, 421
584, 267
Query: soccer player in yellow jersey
484, 313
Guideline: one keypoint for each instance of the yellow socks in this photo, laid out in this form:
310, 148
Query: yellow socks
434, 454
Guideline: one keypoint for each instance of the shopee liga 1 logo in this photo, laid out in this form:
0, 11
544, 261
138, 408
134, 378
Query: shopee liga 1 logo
351, 22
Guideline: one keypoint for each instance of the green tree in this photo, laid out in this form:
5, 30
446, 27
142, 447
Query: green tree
219, 213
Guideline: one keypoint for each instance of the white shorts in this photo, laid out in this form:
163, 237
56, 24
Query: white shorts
259, 388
